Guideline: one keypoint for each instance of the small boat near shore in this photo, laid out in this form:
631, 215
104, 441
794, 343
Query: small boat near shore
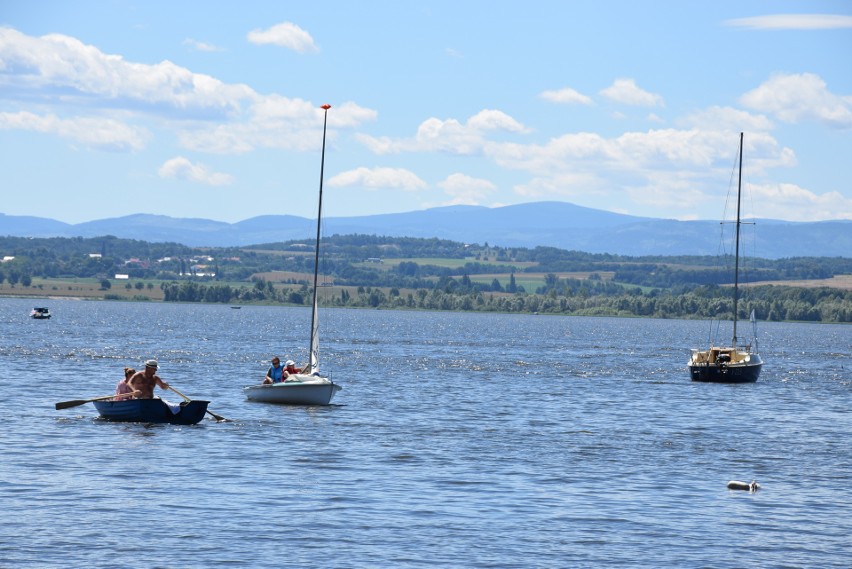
40, 313
152, 411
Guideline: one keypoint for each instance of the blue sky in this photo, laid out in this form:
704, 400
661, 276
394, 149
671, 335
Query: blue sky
212, 109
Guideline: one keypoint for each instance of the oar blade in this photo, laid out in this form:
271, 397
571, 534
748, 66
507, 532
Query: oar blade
76, 402
68, 404
219, 418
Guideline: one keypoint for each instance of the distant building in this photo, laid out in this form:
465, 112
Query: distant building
374, 260
95, 255
121, 277
7, 258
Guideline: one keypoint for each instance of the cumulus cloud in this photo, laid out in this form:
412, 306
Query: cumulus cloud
275, 122
466, 190
726, 118
626, 92
201, 46
205, 113
563, 185
65, 67
379, 178
798, 97
285, 34
780, 199
92, 132
662, 168
793, 22
182, 169
566, 96
451, 136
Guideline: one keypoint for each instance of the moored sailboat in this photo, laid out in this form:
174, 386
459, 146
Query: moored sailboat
737, 362
307, 387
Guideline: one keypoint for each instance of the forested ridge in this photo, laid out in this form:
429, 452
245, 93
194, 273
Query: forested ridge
437, 274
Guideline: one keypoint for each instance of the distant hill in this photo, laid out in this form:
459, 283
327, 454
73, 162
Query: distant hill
554, 224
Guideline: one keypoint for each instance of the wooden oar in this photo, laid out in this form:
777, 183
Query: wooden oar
76, 402
187, 399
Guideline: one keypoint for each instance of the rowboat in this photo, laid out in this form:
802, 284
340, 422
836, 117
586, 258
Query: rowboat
152, 411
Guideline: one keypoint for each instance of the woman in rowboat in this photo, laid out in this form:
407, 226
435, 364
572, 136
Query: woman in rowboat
122, 389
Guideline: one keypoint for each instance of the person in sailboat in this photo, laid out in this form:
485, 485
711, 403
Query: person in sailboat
275, 374
144, 381
291, 369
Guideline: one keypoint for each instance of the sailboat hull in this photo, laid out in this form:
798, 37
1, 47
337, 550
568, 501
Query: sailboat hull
312, 391
721, 372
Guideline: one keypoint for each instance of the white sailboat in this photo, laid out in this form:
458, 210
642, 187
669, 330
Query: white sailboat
308, 387
735, 363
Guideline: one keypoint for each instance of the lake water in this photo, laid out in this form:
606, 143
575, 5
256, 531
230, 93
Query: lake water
459, 440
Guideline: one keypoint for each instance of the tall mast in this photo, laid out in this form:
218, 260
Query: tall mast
737, 245
313, 355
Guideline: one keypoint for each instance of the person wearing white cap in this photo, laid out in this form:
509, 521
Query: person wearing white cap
290, 369
144, 381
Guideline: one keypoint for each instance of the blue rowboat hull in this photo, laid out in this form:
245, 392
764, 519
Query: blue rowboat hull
152, 411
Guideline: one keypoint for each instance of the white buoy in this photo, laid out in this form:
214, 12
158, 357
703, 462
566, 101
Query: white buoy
738, 485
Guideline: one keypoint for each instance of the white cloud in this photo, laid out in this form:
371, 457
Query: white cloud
379, 178
567, 96
626, 92
205, 113
275, 122
466, 190
797, 97
778, 200
566, 185
451, 136
659, 170
285, 34
793, 22
201, 46
489, 119
97, 133
182, 169
726, 118
65, 68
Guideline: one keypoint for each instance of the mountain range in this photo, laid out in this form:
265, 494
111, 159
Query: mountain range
554, 224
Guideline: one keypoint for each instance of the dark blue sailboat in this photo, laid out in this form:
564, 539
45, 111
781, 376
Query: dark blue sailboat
736, 363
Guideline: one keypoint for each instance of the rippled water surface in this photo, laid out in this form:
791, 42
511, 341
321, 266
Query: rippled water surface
459, 440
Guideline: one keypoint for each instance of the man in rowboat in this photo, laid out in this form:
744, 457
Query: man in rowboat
144, 381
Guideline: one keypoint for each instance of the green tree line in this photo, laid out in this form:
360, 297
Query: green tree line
666, 287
